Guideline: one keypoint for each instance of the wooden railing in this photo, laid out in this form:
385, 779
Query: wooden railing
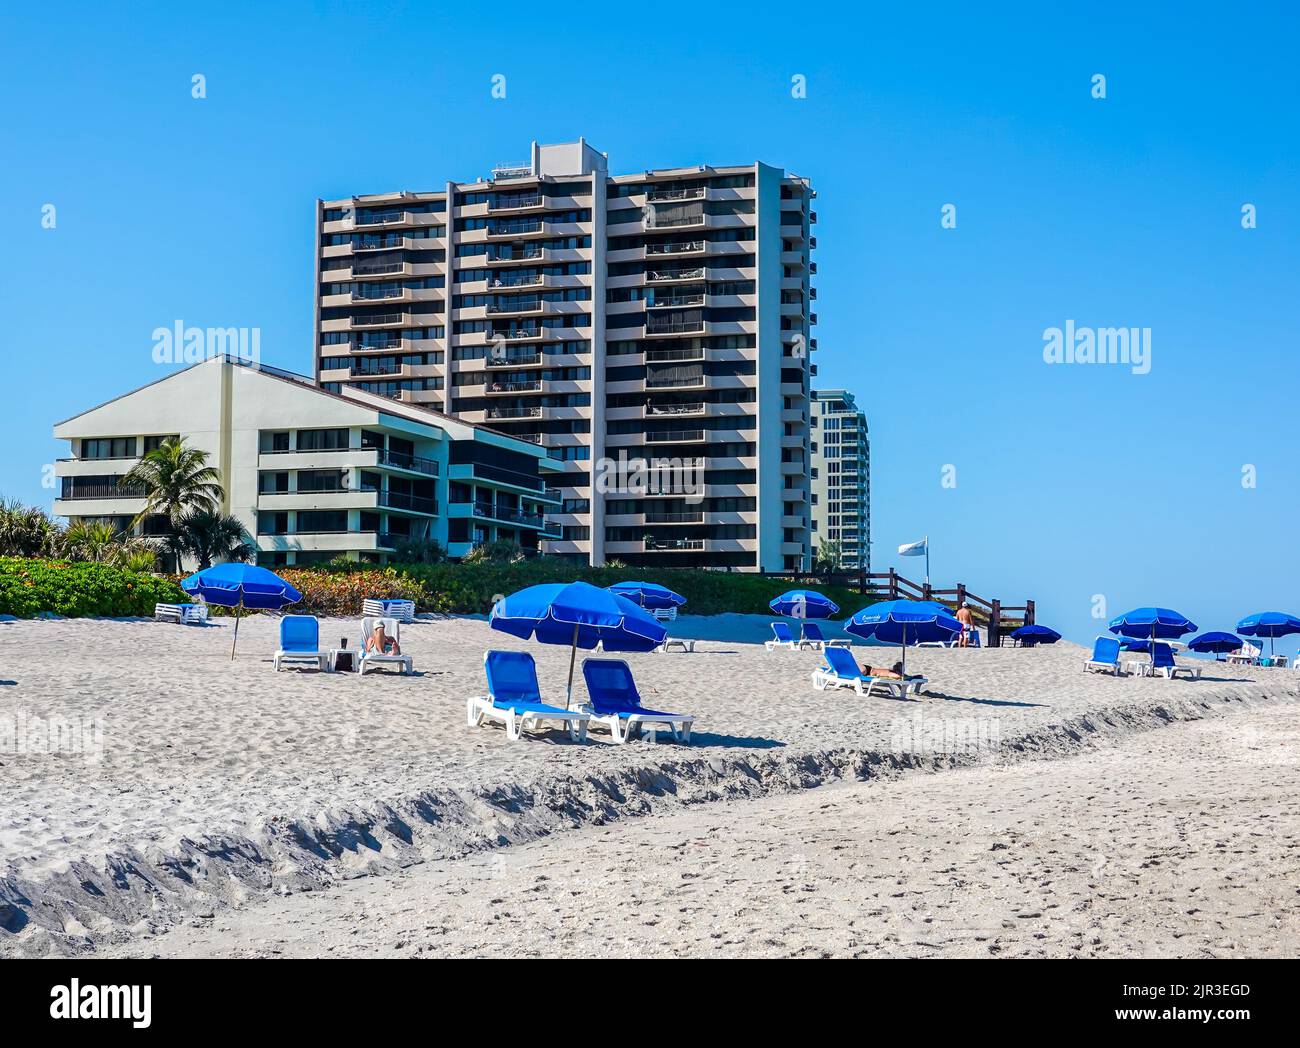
997, 618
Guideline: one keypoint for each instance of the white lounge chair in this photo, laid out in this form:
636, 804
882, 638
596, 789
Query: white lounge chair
515, 700
401, 610
369, 660
616, 703
183, 614
300, 642
842, 671
676, 642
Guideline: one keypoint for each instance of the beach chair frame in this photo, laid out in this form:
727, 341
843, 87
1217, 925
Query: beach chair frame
283, 655
829, 676
371, 660
517, 717
632, 716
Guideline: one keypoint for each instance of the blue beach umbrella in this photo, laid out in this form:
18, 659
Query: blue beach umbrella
241, 586
1270, 624
904, 622
649, 595
1215, 643
580, 615
1151, 624
1035, 634
804, 604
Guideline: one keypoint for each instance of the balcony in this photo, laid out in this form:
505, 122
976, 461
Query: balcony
692, 408
512, 254
513, 360
695, 298
656, 194
408, 503
502, 475
683, 517
517, 280
78, 492
373, 294
384, 243
510, 514
666, 356
515, 201
680, 247
512, 334
412, 463
382, 320
529, 385
381, 218
513, 411
520, 170
675, 436
656, 326
674, 545
518, 305
661, 276
514, 229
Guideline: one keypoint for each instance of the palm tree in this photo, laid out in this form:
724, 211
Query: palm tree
213, 536
26, 531
176, 480
93, 540
828, 556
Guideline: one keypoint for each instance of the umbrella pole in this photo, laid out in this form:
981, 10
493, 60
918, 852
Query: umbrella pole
235, 639
573, 655
904, 651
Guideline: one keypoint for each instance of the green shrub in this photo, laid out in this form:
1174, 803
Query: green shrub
79, 589
339, 593
469, 588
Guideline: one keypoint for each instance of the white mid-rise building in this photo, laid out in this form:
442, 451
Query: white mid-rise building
841, 478
312, 475
658, 316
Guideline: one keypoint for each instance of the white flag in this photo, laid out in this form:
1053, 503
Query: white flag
914, 549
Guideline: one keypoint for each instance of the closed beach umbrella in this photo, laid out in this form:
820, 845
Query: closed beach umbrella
1035, 634
1215, 643
1270, 624
649, 595
904, 622
241, 586
580, 615
804, 604
1151, 624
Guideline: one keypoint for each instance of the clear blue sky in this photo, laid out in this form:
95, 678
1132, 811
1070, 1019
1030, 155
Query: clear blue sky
1071, 480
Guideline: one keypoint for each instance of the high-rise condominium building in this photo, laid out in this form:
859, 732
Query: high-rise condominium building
841, 478
651, 331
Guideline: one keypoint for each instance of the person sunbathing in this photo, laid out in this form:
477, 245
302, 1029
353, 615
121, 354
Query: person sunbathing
381, 643
894, 672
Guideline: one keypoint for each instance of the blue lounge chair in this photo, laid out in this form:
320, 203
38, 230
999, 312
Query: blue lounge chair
616, 704
1162, 661
784, 638
1105, 656
300, 642
842, 671
515, 700
812, 635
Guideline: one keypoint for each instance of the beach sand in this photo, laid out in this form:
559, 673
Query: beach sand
210, 784
1182, 844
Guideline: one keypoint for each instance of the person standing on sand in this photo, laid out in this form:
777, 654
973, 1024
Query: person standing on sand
967, 624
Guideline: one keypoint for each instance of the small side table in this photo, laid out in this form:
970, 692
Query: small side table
343, 660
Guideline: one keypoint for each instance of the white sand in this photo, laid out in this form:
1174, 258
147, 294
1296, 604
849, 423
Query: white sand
1184, 843
219, 781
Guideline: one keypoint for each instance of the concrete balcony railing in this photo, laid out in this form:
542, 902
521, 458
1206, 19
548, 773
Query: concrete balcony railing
672, 545
533, 385
677, 247
512, 335
518, 305
656, 194
656, 326
677, 301
508, 280
512, 360
524, 254
515, 201
378, 294
661, 276
513, 411
409, 503
693, 408
675, 436
382, 320
515, 229
681, 517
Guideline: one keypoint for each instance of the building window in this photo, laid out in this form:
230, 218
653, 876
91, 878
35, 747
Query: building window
108, 448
